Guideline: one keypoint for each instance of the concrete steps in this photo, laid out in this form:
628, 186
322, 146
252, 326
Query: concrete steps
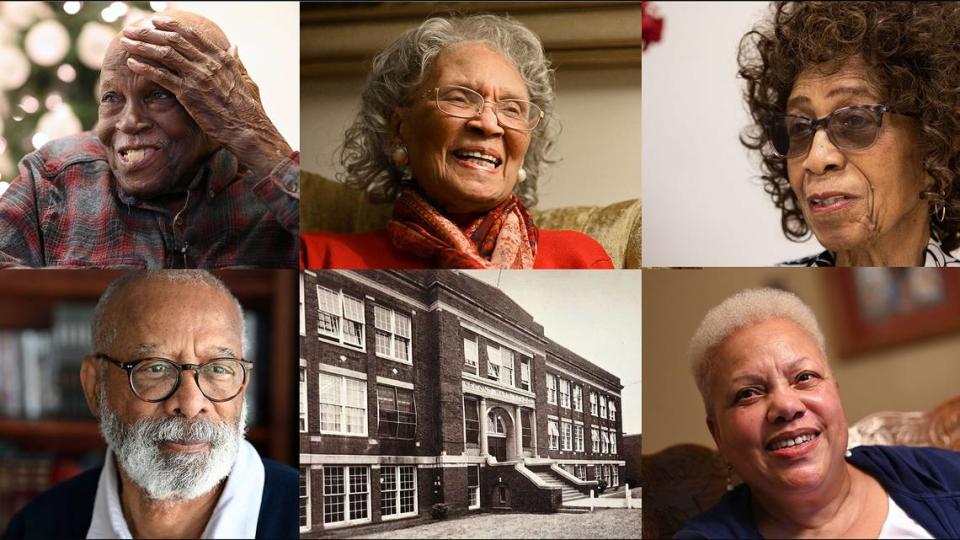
569, 492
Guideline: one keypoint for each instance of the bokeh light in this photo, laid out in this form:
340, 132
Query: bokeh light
66, 73
72, 8
47, 42
14, 68
92, 43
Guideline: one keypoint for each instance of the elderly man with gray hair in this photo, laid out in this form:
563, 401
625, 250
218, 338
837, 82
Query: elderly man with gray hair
167, 381
773, 408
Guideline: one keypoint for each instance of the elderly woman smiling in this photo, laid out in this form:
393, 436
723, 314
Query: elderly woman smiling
454, 127
856, 109
773, 409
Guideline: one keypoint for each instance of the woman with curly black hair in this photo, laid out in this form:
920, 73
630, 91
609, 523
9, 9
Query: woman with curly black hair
856, 110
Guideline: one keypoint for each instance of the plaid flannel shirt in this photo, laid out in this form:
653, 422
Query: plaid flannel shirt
67, 210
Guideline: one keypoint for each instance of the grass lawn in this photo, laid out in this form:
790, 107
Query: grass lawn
602, 523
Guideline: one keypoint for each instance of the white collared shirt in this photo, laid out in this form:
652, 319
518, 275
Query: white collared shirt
235, 515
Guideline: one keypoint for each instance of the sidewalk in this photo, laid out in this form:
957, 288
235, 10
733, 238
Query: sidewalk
610, 500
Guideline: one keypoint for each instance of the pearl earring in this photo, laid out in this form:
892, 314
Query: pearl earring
400, 156
401, 159
521, 175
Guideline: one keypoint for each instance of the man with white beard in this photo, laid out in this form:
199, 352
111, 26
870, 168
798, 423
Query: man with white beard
167, 382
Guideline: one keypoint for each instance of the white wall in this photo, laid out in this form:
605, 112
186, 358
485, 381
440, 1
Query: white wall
599, 147
703, 201
267, 35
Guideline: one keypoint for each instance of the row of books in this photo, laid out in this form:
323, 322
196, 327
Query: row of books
40, 368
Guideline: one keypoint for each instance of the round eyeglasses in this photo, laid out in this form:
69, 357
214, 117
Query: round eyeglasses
850, 128
156, 379
462, 102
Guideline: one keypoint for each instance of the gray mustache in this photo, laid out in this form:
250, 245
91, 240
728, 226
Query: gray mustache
176, 429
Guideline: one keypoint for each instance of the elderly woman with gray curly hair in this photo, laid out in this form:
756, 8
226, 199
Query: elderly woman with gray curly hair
856, 119
773, 408
454, 127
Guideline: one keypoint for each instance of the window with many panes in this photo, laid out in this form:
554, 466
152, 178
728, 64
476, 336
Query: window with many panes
603, 407
495, 424
593, 403
397, 415
578, 438
493, 362
471, 420
565, 393
398, 491
615, 476
613, 442
613, 411
526, 429
340, 317
304, 499
473, 486
554, 433
551, 389
343, 405
393, 334
567, 432
506, 366
581, 471
303, 400
471, 354
595, 439
577, 398
346, 495
604, 442
525, 373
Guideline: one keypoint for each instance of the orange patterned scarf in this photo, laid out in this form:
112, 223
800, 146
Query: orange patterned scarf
505, 237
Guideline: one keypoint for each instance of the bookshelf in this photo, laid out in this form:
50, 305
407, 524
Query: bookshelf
29, 299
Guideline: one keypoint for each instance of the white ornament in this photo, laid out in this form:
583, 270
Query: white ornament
47, 42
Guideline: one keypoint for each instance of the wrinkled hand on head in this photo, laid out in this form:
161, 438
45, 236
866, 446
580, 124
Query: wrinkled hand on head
209, 81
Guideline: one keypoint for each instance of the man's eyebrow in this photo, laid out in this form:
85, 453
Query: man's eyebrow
227, 352
146, 349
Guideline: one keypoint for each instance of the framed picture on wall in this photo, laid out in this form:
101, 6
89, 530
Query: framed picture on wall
885, 307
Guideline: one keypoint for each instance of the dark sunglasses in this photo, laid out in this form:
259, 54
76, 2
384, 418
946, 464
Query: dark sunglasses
850, 128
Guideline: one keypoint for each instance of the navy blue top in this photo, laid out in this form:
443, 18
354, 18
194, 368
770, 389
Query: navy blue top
924, 482
66, 510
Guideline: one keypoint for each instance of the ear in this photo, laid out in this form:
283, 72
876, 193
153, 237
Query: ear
88, 379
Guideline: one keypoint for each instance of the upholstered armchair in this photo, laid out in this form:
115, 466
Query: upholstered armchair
681, 481
326, 205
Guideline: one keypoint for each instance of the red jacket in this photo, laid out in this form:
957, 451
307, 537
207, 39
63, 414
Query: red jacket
373, 250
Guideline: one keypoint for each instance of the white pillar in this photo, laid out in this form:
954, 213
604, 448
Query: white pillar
518, 432
484, 451
533, 431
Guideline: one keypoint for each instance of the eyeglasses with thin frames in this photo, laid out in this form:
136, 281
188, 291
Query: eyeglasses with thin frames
155, 379
856, 127
462, 102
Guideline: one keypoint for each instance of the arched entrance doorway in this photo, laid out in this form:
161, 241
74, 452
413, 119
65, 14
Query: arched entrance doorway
500, 434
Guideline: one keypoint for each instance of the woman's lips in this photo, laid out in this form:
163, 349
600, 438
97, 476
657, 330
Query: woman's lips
797, 450
477, 161
829, 202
